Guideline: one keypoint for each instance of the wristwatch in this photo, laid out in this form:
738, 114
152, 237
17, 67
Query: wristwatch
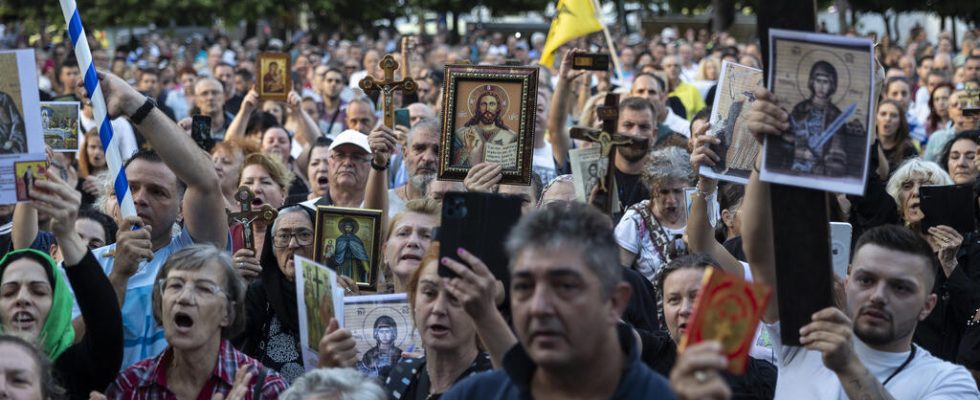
381, 167
144, 110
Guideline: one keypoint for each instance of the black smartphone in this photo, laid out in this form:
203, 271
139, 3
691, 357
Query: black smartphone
950, 205
591, 61
479, 223
201, 132
402, 118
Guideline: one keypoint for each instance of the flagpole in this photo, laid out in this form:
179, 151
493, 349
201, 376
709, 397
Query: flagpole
113, 156
609, 41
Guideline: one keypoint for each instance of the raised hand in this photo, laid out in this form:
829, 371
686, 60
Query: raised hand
132, 246
483, 176
830, 333
382, 141
247, 264
337, 347
474, 286
695, 374
54, 198
565, 70
765, 117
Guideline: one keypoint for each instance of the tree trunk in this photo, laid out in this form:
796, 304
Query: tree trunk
842, 7
888, 26
723, 16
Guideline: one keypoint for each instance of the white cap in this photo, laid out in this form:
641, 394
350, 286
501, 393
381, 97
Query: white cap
353, 137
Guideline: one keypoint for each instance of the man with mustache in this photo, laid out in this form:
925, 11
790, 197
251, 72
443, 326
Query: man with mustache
863, 349
567, 298
421, 161
472, 142
338, 171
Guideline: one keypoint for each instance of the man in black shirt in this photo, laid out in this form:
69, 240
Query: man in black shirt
636, 119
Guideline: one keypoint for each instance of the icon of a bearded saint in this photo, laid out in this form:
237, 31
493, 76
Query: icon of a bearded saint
486, 126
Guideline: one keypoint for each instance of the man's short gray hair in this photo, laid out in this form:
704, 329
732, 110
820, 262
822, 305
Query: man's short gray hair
335, 383
424, 124
570, 226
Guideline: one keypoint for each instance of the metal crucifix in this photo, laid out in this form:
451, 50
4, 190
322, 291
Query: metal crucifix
388, 86
247, 216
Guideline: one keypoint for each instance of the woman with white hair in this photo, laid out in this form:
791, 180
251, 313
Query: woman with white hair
334, 383
957, 283
199, 299
651, 231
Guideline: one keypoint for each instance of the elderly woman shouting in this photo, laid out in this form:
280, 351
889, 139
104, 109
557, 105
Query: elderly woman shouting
198, 298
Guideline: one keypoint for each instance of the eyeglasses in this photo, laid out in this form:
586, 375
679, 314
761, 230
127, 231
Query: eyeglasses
282, 238
340, 157
199, 289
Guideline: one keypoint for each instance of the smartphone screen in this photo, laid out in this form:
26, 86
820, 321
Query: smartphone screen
402, 118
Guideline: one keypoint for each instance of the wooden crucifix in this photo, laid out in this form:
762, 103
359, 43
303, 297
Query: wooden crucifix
608, 139
247, 216
388, 86
800, 217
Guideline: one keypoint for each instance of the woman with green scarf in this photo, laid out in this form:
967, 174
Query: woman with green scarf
36, 300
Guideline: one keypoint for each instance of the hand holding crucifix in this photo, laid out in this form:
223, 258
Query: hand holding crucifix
247, 216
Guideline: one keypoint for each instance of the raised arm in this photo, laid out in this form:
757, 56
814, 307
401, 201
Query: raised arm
560, 103
236, 130
306, 129
763, 118
25, 226
202, 200
382, 141
699, 231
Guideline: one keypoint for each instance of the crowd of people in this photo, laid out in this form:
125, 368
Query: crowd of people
172, 304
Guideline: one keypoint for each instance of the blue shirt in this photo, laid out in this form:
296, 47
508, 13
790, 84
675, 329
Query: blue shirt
142, 336
514, 381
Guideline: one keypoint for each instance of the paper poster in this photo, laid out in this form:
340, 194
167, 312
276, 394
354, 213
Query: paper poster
738, 149
20, 118
319, 298
383, 328
60, 124
826, 84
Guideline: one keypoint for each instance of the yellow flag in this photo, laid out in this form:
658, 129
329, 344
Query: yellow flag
575, 18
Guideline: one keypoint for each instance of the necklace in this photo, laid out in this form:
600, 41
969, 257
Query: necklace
900, 367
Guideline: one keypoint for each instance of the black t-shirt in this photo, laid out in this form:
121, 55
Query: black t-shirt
631, 189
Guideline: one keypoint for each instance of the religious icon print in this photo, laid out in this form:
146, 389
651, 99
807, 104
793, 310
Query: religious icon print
21, 138
489, 118
60, 124
383, 329
484, 129
319, 299
26, 173
728, 310
347, 240
588, 171
738, 149
826, 85
274, 76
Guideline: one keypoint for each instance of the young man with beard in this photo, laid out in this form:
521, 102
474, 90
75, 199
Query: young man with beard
636, 120
338, 171
333, 109
864, 349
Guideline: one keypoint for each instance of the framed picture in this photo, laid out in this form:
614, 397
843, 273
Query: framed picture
348, 241
489, 117
274, 76
382, 327
59, 122
826, 84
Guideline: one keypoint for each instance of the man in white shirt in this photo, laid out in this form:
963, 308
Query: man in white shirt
864, 349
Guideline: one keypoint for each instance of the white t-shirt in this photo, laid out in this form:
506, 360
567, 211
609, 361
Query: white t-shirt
802, 374
633, 236
395, 203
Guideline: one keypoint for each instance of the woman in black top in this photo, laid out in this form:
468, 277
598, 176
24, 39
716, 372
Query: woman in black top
36, 302
448, 318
